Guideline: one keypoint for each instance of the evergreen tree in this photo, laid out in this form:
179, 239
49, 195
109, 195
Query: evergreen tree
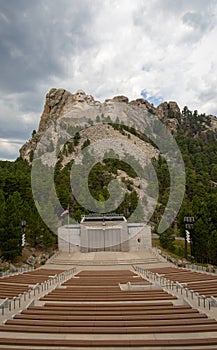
11, 236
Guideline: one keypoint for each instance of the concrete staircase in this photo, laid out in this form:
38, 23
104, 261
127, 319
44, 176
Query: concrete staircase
140, 257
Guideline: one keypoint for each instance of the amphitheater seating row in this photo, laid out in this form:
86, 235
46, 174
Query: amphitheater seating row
12, 286
203, 283
86, 316
111, 291
208, 288
145, 344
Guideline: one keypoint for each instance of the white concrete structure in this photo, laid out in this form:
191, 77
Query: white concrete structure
104, 233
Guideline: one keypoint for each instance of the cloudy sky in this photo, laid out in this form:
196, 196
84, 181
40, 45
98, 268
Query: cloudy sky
159, 49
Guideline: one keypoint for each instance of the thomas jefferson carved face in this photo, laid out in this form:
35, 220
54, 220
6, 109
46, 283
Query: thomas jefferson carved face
89, 99
80, 96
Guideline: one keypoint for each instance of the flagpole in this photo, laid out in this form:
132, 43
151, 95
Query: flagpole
68, 231
68, 214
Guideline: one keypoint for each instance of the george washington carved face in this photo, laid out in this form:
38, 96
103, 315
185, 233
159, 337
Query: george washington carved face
80, 96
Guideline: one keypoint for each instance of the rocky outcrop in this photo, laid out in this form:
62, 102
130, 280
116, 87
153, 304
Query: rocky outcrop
123, 99
168, 110
56, 100
213, 121
61, 103
141, 102
169, 113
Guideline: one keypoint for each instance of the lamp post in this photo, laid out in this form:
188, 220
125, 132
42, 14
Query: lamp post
23, 226
23, 230
189, 225
69, 240
103, 234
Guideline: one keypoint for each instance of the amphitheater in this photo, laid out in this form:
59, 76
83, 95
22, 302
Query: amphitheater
109, 300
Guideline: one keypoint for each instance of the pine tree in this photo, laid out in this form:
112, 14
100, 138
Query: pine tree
11, 244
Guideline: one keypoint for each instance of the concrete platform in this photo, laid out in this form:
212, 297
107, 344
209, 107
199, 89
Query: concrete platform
106, 260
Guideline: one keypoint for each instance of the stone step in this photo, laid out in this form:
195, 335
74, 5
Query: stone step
70, 261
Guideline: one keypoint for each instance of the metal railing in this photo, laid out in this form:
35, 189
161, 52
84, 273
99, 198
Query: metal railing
196, 267
16, 271
39, 288
179, 288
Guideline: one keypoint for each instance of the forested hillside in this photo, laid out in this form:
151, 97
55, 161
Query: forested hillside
17, 205
198, 145
199, 151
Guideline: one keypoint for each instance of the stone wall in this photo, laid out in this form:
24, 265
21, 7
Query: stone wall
69, 238
120, 237
139, 236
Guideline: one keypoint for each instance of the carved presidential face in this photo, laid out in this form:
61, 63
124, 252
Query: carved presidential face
80, 96
89, 99
97, 103
109, 103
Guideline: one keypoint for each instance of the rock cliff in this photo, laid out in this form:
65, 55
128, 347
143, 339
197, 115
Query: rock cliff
64, 105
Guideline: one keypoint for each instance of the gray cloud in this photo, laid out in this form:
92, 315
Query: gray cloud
181, 6
35, 36
198, 21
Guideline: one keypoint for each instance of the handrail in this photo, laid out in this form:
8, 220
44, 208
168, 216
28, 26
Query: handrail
179, 287
39, 287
